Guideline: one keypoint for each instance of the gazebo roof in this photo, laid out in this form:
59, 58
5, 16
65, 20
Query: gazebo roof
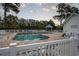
49, 26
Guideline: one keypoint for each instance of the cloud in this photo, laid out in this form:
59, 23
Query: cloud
53, 8
40, 4
31, 11
46, 9
23, 5
1, 12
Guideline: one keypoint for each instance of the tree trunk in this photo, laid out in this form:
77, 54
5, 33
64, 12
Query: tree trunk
5, 12
61, 22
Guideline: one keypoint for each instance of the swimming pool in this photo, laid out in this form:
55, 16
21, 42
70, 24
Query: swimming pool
22, 37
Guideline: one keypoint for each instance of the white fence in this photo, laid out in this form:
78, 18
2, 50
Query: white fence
64, 47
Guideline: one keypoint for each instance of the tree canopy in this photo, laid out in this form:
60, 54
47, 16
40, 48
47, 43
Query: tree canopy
10, 6
14, 23
65, 10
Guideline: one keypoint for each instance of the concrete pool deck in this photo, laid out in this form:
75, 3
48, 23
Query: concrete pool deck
8, 38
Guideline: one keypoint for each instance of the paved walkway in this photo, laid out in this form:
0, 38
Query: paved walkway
8, 38
54, 36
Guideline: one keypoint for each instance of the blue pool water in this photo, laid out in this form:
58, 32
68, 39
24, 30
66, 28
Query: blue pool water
22, 37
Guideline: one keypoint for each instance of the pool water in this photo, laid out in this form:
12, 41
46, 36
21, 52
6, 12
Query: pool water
22, 37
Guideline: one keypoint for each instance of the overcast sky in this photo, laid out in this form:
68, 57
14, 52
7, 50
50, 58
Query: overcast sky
37, 11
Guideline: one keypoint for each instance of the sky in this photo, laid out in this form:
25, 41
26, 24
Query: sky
37, 11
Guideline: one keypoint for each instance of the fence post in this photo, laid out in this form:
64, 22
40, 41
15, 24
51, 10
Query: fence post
13, 49
74, 44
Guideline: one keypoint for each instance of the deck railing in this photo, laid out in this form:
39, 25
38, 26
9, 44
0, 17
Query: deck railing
63, 47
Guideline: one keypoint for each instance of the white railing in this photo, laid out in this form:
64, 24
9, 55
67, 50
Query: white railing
64, 47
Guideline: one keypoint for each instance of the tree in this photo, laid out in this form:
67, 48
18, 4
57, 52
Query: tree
0, 17
65, 10
51, 23
10, 6
11, 22
61, 9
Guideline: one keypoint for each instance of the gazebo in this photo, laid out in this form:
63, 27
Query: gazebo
49, 27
